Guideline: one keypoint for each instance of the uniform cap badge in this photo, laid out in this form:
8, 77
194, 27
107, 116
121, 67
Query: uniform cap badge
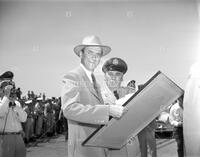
115, 61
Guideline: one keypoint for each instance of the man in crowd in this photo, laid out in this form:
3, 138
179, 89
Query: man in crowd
147, 137
176, 119
29, 128
11, 116
82, 103
114, 70
49, 114
39, 112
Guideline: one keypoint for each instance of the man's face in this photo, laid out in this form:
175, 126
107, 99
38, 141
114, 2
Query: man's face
3, 84
90, 57
113, 79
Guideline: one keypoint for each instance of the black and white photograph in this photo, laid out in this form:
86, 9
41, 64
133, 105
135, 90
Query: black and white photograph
99, 78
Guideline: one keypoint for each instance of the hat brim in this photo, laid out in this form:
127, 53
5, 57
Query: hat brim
28, 102
79, 48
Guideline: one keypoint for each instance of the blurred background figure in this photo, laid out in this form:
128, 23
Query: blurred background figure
28, 126
19, 93
50, 119
147, 137
132, 84
191, 113
39, 112
176, 119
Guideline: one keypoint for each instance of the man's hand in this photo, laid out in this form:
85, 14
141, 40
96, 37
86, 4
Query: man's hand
117, 111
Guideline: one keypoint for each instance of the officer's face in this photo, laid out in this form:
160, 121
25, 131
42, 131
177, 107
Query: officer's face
113, 79
90, 57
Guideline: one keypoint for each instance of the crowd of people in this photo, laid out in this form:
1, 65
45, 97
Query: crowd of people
24, 120
44, 117
84, 105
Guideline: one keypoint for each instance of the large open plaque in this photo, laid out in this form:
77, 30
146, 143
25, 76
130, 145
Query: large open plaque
143, 106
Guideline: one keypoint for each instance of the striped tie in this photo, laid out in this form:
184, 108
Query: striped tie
94, 83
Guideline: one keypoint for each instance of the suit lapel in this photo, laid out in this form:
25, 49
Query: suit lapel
89, 85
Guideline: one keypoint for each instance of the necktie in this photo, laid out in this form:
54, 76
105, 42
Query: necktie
94, 83
116, 94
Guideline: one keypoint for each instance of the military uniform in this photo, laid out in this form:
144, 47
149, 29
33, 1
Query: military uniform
147, 138
39, 111
131, 149
50, 119
29, 122
176, 119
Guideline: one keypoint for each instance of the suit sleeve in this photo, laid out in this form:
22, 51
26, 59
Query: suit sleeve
72, 107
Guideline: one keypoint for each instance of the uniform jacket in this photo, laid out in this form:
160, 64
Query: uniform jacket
131, 149
84, 109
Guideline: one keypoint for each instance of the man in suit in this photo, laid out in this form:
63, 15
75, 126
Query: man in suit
82, 103
114, 70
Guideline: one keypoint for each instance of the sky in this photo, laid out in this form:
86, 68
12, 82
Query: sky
37, 39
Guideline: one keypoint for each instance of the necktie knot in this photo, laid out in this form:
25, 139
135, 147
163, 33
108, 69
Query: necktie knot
93, 79
116, 94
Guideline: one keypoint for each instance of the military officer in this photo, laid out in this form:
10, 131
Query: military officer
114, 70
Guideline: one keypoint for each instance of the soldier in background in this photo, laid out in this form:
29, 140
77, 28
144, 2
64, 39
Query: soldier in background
147, 137
58, 124
132, 85
44, 96
29, 95
39, 111
49, 114
29, 122
19, 93
176, 119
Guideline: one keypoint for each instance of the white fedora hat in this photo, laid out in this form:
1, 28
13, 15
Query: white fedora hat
92, 41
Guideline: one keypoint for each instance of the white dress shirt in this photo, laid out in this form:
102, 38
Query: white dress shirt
107, 95
88, 73
15, 115
176, 114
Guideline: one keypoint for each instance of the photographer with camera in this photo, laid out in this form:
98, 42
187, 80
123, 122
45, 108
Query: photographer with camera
11, 116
